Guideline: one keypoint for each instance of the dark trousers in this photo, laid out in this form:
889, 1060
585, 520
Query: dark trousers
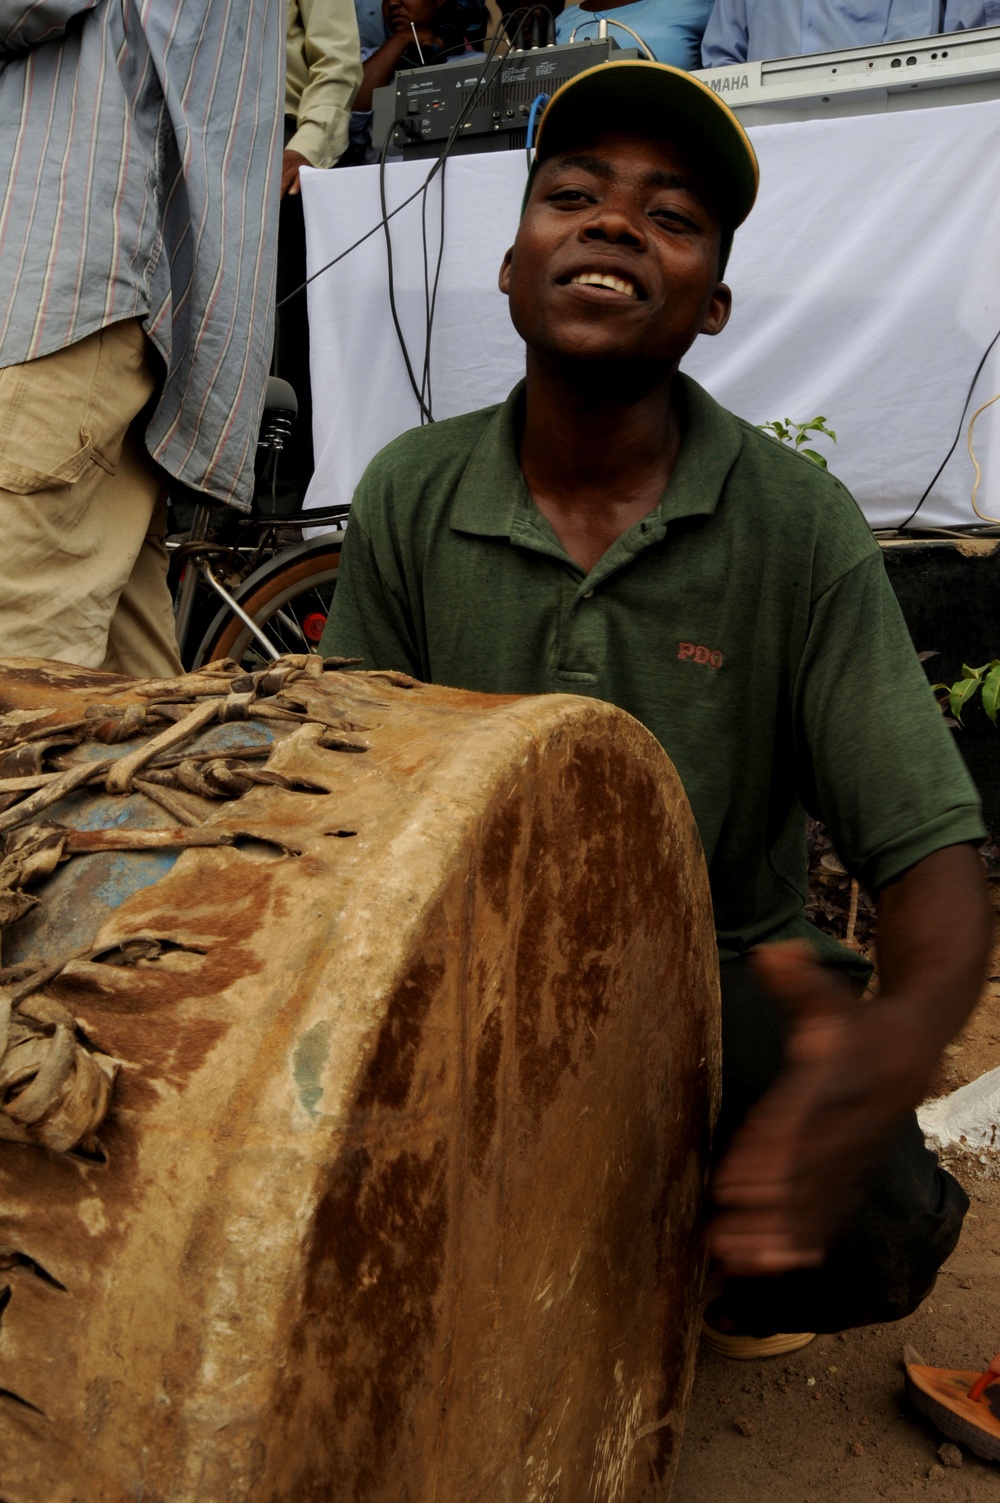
906, 1220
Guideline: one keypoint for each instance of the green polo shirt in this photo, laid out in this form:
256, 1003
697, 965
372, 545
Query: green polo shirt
747, 621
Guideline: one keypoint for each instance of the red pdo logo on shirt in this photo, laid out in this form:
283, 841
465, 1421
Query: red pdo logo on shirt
708, 657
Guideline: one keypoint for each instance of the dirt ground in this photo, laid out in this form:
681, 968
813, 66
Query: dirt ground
831, 1424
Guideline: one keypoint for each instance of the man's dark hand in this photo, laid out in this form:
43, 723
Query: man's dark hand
790, 1169
291, 161
853, 1070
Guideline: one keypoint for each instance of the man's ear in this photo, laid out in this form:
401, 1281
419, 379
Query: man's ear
504, 278
719, 310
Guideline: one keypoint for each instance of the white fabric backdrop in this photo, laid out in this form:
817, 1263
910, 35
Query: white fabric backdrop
866, 287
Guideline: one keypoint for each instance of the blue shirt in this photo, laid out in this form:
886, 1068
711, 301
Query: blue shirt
964, 15
371, 25
745, 30
671, 29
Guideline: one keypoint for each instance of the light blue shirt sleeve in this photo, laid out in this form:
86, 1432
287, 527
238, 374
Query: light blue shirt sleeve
727, 35
671, 29
371, 26
965, 15
747, 30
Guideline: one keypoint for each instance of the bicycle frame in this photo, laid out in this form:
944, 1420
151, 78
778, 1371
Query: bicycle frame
197, 567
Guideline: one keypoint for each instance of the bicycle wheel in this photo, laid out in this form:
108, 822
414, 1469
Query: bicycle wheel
288, 597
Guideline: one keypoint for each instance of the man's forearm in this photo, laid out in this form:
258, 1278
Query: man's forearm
25, 26
935, 925
380, 69
852, 1072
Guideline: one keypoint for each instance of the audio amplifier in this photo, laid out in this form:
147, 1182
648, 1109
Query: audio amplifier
492, 101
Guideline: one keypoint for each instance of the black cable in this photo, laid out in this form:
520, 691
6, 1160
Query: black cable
523, 14
457, 47
400, 206
519, 14
297, 291
422, 393
431, 303
425, 373
958, 434
425, 413
434, 293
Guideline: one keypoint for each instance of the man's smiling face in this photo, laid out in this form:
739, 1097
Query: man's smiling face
616, 258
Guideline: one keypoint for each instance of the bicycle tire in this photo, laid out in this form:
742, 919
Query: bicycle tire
297, 582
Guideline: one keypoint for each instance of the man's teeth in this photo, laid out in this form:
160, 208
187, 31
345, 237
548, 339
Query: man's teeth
601, 279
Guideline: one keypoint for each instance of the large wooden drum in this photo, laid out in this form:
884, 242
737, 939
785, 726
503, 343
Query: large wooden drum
402, 1006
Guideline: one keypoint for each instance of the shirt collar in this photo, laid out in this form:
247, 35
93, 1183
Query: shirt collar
493, 500
492, 493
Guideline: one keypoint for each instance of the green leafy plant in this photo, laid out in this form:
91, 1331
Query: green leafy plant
984, 681
799, 434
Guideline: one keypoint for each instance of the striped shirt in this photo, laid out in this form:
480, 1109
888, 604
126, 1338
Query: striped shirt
140, 147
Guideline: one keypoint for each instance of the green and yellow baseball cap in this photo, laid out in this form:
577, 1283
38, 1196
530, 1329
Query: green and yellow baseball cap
658, 101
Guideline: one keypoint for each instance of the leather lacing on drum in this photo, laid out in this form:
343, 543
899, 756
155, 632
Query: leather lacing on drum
55, 1084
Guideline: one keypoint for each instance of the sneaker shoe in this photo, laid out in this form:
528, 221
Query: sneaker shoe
731, 1343
749, 1348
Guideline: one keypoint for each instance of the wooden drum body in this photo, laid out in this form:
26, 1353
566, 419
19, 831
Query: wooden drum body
399, 1194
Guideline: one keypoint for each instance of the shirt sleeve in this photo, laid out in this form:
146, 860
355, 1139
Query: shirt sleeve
880, 766
23, 26
370, 617
726, 35
333, 55
965, 15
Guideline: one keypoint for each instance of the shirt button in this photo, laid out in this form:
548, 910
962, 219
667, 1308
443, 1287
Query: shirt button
587, 594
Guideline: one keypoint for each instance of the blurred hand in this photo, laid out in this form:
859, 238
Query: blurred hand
291, 161
853, 1071
850, 1078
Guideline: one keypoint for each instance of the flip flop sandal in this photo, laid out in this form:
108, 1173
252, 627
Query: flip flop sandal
965, 1406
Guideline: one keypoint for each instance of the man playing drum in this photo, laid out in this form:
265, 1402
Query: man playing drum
611, 531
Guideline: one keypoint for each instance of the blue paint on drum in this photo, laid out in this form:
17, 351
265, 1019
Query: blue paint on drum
131, 871
84, 891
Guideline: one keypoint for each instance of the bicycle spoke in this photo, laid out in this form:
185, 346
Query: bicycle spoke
292, 625
290, 605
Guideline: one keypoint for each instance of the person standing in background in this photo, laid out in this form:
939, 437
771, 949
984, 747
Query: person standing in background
742, 31
966, 15
671, 29
371, 26
323, 71
415, 33
139, 154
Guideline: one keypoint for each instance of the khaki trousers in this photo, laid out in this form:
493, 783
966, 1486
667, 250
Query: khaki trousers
83, 567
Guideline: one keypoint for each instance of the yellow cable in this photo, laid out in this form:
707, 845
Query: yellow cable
972, 455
